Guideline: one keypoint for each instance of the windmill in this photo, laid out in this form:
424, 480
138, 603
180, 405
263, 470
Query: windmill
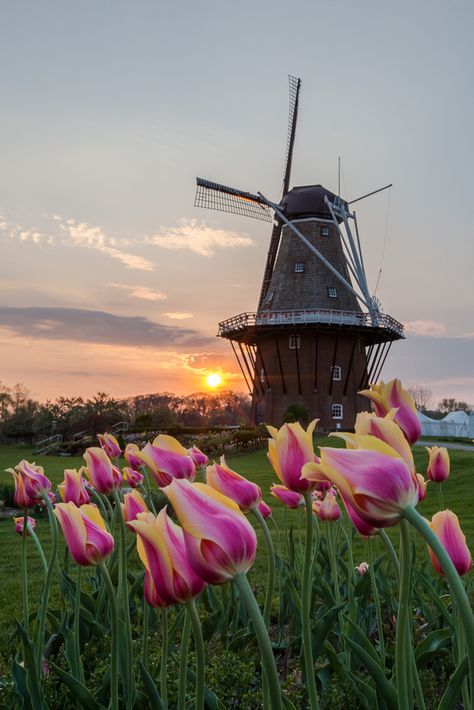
318, 335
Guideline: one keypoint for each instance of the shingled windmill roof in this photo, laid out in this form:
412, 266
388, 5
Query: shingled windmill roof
307, 201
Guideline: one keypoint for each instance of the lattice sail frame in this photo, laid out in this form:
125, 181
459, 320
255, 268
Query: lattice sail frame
222, 198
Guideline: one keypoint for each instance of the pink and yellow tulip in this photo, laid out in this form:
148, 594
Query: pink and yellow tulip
87, 538
167, 459
264, 509
327, 508
133, 504
34, 484
375, 481
362, 568
73, 489
20, 522
132, 477
199, 458
103, 475
162, 549
291, 499
246, 494
220, 542
131, 456
110, 445
289, 449
385, 397
384, 428
21, 497
446, 527
439, 464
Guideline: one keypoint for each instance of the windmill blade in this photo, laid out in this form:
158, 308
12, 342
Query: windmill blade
295, 84
214, 196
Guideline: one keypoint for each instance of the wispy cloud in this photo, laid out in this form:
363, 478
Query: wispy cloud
80, 325
198, 237
23, 234
425, 328
178, 315
143, 292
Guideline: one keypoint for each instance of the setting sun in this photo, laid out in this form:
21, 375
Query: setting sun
214, 379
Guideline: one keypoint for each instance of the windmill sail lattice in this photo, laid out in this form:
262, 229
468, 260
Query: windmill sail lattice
318, 336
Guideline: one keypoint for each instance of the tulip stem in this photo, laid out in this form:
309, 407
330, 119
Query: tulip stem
392, 554
440, 496
164, 655
199, 650
306, 607
271, 565
24, 572
146, 623
454, 581
378, 609
114, 642
402, 643
77, 626
40, 551
268, 660
47, 583
183, 663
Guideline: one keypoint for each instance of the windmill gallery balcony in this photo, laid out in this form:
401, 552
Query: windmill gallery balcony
246, 323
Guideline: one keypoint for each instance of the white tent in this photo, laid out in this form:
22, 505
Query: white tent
458, 424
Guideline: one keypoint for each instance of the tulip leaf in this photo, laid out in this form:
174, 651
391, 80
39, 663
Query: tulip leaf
126, 671
79, 691
432, 644
21, 688
363, 641
385, 688
453, 688
151, 689
434, 596
32, 677
364, 692
322, 628
287, 704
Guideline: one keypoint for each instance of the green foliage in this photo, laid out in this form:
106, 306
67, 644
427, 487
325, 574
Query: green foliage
296, 412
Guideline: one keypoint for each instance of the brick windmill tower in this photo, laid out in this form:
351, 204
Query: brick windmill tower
318, 336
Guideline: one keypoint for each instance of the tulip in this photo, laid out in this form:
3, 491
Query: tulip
422, 486
327, 507
21, 497
288, 450
162, 549
35, 483
246, 494
131, 456
101, 473
132, 505
362, 568
376, 482
167, 459
446, 527
438, 466
87, 538
385, 397
384, 428
220, 542
291, 499
264, 509
110, 445
199, 458
19, 524
72, 489
132, 477
362, 527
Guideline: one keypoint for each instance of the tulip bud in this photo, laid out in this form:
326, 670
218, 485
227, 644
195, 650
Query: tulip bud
327, 507
439, 464
199, 458
246, 494
101, 473
132, 477
110, 445
132, 505
19, 524
131, 456
446, 527
288, 450
167, 459
87, 538
264, 509
72, 489
362, 568
291, 499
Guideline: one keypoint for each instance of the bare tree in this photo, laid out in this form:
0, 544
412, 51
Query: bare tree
422, 396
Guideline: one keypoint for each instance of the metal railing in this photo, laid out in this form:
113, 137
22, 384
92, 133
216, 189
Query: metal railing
308, 317
118, 427
51, 442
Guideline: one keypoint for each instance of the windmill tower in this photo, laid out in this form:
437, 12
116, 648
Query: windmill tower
318, 336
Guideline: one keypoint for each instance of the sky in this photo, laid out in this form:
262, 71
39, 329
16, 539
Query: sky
111, 280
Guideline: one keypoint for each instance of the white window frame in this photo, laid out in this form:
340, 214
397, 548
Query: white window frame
337, 411
325, 231
294, 342
332, 292
337, 373
299, 267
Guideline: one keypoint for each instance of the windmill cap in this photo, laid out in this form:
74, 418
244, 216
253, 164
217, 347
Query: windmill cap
307, 201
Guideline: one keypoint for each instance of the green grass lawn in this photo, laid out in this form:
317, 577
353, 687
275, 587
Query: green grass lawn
458, 495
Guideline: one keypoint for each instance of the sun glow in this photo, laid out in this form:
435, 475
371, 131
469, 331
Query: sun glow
214, 379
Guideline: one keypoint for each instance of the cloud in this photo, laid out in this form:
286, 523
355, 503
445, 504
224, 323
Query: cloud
198, 237
143, 292
22, 234
80, 325
178, 315
425, 328
84, 235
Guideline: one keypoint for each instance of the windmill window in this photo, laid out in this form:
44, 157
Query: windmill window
336, 373
299, 267
294, 342
332, 292
337, 411
324, 231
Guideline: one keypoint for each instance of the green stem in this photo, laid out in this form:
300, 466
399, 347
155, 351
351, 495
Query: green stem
98, 499
164, 655
378, 610
47, 583
268, 660
457, 588
40, 551
392, 554
461, 650
114, 642
402, 653
77, 626
24, 572
199, 649
440, 496
271, 565
183, 663
146, 624
305, 607
148, 489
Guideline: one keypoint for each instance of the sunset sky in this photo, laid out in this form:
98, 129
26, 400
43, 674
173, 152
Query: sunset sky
111, 280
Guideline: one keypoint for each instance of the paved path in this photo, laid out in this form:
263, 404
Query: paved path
447, 445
